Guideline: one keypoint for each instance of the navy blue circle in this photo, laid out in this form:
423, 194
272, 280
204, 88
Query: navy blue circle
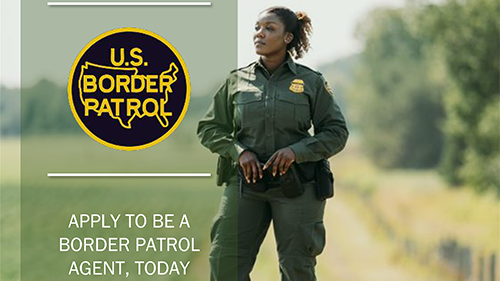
97, 61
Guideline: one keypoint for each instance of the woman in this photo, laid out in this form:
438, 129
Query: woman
258, 123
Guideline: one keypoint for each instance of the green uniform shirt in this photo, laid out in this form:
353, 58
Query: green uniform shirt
256, 111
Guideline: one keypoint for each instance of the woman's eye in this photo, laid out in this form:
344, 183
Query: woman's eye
256, 28
270, 28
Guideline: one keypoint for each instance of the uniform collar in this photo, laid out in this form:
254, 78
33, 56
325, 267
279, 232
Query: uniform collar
291, 64
288, 62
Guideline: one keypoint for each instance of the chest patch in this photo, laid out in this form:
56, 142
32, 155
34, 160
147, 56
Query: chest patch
297, 86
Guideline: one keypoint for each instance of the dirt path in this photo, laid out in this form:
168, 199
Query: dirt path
354, 254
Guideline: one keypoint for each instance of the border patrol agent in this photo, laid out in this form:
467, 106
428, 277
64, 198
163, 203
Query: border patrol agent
259, 123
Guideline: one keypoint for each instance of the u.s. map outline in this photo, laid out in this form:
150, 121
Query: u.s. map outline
169, 75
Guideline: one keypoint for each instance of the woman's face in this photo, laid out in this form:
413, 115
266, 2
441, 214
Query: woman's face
270, 36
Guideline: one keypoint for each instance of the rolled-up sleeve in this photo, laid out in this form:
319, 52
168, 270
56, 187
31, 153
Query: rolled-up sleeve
330, 129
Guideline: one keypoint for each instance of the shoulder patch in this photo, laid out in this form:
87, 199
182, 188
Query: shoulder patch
327, 88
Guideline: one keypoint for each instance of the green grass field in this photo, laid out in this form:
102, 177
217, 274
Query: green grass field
418, 203
9, 209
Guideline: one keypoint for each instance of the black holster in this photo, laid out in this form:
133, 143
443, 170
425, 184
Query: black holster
225, 170
324, 180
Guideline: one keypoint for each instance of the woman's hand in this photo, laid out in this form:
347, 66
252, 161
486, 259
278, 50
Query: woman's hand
281, 161
251, 166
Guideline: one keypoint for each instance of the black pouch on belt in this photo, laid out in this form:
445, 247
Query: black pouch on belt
290, 183
259, 185
324, 180
224, 168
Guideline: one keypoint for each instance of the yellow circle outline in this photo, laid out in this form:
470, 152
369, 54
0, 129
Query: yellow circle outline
90, 44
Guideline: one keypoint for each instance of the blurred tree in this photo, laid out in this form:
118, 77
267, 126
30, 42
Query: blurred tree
340, 75
468, 34
10, 108
401, 107
45, 109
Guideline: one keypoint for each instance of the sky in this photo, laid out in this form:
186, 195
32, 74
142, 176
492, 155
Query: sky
10, 43
334, 23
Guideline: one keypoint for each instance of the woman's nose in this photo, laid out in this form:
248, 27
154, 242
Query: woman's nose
259, 33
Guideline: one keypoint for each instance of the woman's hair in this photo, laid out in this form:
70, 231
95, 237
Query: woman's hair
299, 24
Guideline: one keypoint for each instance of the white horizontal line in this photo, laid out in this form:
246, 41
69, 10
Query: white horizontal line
129, 3
107, 175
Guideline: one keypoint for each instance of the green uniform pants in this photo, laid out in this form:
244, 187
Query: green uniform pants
242, 223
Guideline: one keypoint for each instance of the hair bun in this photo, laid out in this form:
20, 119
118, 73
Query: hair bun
300, 15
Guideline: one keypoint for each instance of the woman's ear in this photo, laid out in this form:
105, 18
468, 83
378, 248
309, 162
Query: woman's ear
288, 37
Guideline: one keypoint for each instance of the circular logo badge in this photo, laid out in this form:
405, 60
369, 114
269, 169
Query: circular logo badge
129, 89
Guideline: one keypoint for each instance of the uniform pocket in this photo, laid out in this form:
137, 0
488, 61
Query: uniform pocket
247, 105
317, 239
310, 239
293, 107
